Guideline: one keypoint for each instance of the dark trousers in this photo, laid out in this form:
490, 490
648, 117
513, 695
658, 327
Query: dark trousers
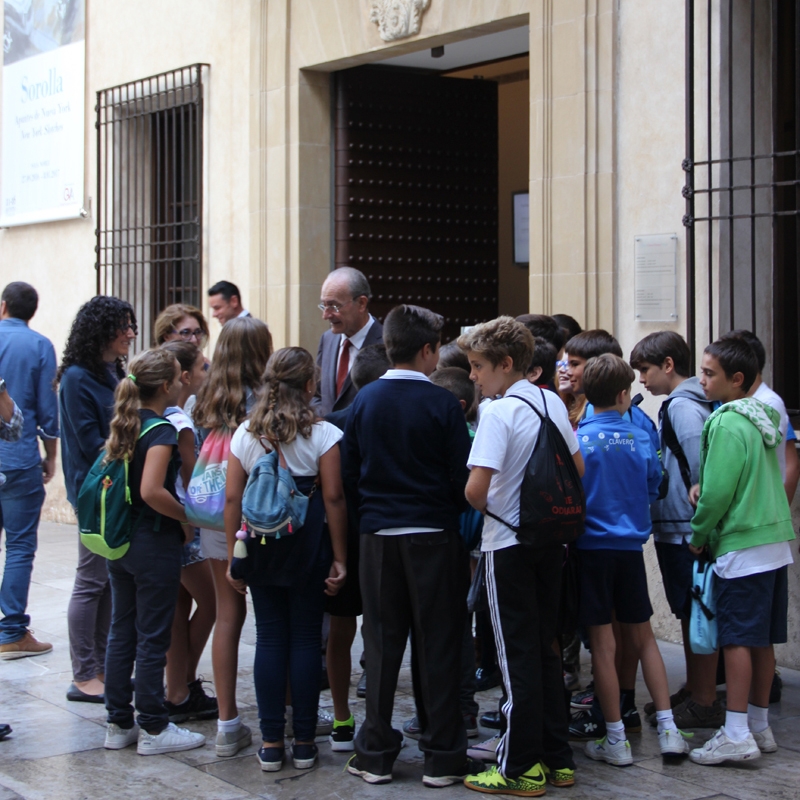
144, 591
288, 632
523, 586
415, 584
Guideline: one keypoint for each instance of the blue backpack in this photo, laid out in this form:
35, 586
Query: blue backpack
703, 618
272, 505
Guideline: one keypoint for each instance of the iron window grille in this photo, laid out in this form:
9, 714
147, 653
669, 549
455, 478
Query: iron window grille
149, 192
742, 177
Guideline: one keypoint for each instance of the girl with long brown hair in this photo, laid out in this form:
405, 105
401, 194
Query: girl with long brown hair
223, 403
294, 572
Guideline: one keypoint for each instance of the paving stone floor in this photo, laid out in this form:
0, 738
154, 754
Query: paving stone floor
56, 749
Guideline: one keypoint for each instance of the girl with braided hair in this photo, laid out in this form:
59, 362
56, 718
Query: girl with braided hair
294, 572
145, 581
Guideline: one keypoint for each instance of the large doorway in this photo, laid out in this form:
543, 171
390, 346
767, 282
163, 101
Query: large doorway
427, 162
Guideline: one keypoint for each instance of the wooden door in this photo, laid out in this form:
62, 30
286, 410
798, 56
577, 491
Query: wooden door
416, 191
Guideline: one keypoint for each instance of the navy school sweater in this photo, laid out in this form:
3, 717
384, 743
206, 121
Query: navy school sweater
405, 448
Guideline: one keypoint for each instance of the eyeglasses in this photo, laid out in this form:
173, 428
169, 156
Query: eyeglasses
188, 333
335, 307
561, 364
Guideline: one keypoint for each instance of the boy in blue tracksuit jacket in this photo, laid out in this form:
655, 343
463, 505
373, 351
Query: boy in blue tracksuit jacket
623, 474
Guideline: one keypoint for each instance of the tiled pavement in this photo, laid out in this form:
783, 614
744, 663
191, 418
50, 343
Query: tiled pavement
56, 750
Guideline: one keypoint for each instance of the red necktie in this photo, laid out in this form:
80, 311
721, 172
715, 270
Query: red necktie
344, 363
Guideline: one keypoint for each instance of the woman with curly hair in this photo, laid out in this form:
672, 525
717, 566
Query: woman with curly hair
91, 367
224, 401
294, 572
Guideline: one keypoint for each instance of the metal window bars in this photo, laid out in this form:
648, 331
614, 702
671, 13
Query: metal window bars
149, 192
743, 193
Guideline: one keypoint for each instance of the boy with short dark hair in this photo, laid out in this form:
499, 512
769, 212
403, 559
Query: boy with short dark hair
523, 583
542, 371
663, 361
623, 475
405, 449
744, 522
786, 452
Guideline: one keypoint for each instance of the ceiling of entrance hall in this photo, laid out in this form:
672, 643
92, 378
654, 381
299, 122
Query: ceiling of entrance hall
490, 47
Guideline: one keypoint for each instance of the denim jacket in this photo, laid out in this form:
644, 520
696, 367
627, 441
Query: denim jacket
28, 365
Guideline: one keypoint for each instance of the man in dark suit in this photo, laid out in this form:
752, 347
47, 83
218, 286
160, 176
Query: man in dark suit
343, 301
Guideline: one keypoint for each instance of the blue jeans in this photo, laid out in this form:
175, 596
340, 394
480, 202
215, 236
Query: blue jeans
288, 635
144, 591
21, 499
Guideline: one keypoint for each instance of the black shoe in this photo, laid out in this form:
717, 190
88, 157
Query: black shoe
776, 689
487, 679
198, 705
361, 689
75, 695
583, 727
412, 729
631, 720
4, 731
491, 719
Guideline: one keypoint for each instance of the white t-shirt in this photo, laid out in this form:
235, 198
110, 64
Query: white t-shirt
752, 560
180, 421
762, 557
302, 455
504, 442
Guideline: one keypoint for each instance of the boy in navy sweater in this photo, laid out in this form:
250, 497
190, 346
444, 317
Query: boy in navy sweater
622, 478
405, 448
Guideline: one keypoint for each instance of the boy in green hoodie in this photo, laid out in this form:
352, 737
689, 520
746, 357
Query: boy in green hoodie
744, 523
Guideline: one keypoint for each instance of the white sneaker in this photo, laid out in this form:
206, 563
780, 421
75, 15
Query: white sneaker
618, 754
171, 740
485, 751
766, 741
229, 743
119, 738
674, 743
720, 747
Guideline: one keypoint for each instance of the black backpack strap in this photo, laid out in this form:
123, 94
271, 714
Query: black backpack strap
670, 439
541, 417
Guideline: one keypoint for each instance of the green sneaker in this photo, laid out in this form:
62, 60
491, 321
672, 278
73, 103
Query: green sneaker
530, 784
560, 777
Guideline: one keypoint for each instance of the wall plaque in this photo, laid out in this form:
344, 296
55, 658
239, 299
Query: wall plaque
656, 265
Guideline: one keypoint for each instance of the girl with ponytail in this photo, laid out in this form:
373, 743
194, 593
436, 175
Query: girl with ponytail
294, 572
145, 581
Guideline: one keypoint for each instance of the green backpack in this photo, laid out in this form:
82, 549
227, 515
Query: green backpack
104, 505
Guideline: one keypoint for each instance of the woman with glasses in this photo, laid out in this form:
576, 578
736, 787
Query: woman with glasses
181, 323
92, 365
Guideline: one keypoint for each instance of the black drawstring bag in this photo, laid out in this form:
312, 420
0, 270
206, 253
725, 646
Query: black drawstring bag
552, 504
